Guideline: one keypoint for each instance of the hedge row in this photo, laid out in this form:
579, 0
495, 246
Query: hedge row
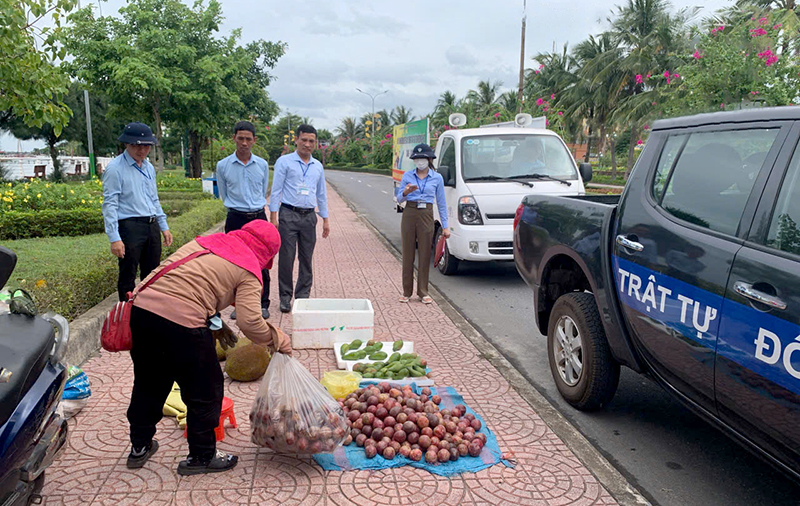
73, 222
69, 275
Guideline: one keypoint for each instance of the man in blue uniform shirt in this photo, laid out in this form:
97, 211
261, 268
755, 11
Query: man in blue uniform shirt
134, 220
243, 180
298, 187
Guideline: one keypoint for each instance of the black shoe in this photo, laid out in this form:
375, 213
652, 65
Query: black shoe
233, 315
139, 456
220, 462
264, 313
286, 306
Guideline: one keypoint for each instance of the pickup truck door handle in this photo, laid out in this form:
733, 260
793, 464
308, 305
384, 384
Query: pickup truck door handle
627, 243
747, 290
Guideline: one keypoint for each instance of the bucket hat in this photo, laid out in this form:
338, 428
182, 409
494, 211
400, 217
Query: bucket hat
422, 151
137, 133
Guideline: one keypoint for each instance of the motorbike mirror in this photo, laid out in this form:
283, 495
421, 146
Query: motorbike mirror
8, 260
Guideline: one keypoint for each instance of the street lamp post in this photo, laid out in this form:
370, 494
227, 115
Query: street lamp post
372, 118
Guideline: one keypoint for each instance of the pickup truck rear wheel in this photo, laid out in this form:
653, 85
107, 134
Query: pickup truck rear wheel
580, 360
449, 263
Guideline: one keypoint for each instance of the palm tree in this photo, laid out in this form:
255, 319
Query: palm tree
509, 101
401, 115
484, 99
447, 104
349, 128
787, 13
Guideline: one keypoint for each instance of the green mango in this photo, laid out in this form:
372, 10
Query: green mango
380, 355
356, 344
345, 347
395, 357
406, 356
397, 345
353, 355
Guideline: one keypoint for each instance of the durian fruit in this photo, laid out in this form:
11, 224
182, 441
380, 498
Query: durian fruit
247, 363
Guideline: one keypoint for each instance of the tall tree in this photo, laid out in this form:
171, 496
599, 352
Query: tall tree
162, 61
349, 128
32, 87
401, 115
105, 128
484, 98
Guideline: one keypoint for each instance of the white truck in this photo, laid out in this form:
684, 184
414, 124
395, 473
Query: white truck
487, 172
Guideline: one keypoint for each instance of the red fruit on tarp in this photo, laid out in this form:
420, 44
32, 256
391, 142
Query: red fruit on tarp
377, 434
413, 437
476, 424
439, 431
360, 439
463, 449
454, 454
367, 430
401, 417
385, 386
410, 427
431, 457
435, 440
424, 442
461, 408
367, 418
427, 431
396, 410
389, 453
348, 440
405, 451
395, 445
388, 421
399, 436
416, 455
481, 437
451, 427
436, 399
444, 456
444, 445
445, 413
426, 391
474, 449
354, 433
381, 412
412, 417
353, 415
377, 424
423, 422
388, 432
382, 446
372, 409
371, 451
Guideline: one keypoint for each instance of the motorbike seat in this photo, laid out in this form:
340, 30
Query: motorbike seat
25, 347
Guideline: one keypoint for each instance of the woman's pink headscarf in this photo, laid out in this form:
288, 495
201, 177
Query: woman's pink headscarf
252, 247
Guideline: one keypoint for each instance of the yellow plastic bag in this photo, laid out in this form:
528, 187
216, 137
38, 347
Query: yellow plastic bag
341, 383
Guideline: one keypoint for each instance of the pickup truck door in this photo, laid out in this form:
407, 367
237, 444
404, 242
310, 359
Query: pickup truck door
676, 239
758, 353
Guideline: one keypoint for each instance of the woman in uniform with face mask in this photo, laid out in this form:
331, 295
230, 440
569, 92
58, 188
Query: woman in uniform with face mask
419, 189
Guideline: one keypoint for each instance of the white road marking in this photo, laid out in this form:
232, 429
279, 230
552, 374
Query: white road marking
369, 185
359, 180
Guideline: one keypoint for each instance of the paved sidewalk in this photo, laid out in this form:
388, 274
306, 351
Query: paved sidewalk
352, 263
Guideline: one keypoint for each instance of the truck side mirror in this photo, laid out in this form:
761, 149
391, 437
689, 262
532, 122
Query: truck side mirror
586, 171
444, 170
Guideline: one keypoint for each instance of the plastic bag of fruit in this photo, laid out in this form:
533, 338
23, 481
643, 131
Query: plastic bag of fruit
294, 413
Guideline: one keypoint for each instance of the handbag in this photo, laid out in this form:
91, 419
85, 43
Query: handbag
439, 250
116, 332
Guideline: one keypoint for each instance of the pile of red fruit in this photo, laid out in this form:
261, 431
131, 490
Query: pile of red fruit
389, 421
302, 427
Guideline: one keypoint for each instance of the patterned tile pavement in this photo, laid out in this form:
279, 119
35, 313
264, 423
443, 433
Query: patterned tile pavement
352, 263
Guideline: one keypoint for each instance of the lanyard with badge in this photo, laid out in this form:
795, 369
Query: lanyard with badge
304, 190
421, 188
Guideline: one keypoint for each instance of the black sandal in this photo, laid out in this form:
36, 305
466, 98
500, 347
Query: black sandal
137, 460
220, 462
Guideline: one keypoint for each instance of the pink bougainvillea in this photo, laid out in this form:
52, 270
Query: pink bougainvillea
388, 136
497, 115
267, 127
666, 75
697, 55
776, 27
539, 101
639, 79
763, 21
757, 32
553, 96
639, 142
560, 113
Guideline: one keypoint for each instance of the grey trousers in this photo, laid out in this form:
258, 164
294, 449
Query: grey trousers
298, 238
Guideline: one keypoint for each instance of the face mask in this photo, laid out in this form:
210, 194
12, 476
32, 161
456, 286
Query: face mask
421, 163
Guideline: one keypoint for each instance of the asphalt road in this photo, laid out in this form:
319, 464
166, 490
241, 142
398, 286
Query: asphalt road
672, 456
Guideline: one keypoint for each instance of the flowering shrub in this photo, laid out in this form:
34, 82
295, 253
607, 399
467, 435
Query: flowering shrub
733, 65
173, 181
38, 195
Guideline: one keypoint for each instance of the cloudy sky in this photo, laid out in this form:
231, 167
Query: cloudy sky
414, 49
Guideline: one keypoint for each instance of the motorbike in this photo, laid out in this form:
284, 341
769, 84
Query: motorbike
32, 379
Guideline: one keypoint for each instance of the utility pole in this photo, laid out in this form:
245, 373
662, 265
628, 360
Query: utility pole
372, 118
522, 57
92, 171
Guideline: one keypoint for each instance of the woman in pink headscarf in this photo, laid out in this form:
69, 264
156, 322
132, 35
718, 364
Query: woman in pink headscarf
172, 341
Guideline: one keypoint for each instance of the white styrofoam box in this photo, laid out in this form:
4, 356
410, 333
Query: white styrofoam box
318, 323
208, 186
408, 347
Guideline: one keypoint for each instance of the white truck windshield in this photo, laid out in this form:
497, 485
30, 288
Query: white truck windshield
516, 155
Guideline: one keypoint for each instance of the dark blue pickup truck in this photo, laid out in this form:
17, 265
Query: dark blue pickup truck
691, 276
